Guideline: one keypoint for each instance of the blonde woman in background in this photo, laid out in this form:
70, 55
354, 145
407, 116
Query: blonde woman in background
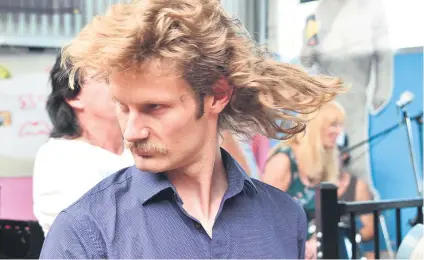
297, 167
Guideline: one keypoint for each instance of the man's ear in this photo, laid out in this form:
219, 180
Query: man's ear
75, 103
221, 93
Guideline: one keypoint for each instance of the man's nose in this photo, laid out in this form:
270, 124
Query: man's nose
136, 129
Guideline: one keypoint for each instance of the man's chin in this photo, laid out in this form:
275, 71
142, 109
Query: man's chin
148, 170
147, 165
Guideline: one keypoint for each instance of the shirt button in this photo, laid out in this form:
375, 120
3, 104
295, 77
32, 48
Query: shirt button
197, 225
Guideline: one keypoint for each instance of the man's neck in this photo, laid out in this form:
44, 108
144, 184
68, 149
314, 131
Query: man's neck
202, 186
103, 134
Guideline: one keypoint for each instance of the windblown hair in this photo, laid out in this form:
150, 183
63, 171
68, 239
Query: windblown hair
205, 44
318, 163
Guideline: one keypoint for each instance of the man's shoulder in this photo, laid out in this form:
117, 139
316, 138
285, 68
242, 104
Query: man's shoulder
93, 212
47, 147
54, 155
103, 193
59, 148
276, 196
282, 206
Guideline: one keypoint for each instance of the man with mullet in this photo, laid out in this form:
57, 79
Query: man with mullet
181, 72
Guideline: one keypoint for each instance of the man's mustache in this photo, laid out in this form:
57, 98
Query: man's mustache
146, 146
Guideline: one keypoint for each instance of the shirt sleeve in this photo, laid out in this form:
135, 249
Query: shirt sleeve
302, 233
69, 238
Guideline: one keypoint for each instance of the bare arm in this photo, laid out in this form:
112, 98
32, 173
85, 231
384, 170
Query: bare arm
363, 194
277, 172
231, 145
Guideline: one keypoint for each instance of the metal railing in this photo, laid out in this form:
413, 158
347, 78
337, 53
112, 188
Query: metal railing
329, 211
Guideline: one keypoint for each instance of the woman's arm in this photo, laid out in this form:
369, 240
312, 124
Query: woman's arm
362, 194
277, 172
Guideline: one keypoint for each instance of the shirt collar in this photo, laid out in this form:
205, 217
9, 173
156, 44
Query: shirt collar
153, 184
236, 176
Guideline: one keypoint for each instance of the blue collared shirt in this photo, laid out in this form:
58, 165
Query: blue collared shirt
134, 214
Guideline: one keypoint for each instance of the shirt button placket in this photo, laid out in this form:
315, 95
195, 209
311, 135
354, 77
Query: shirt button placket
220, 244
197, 226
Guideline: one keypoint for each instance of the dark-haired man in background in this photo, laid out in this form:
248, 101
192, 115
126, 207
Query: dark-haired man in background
85, 145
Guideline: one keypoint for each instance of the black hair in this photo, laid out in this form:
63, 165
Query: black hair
62, 116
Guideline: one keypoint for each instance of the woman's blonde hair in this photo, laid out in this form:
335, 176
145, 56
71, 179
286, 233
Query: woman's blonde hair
205, 45
317, 162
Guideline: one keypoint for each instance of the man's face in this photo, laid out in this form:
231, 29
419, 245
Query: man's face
158, 117
96, 100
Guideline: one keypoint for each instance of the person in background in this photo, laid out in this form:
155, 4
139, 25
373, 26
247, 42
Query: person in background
84, 147
181, 72
297, 167
352, 188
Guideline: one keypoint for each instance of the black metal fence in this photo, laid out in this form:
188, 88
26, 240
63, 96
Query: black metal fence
329, 211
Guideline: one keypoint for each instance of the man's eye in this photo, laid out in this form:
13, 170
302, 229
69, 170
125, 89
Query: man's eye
154, 107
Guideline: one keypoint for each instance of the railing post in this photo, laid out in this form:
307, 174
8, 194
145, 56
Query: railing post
327, 218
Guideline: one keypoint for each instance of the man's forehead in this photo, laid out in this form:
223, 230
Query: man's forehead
145, 87
144, 80
154, 67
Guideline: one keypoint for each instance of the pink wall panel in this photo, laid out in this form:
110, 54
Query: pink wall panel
16, 198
